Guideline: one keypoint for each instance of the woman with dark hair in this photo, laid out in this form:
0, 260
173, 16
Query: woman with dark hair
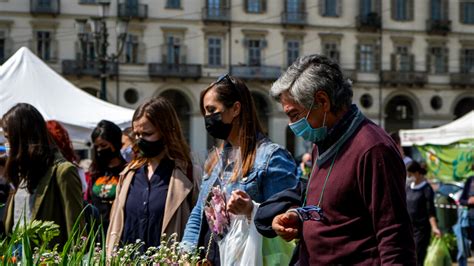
266, 167
107, 163
47, 186
64, 144
159, 187
420, 205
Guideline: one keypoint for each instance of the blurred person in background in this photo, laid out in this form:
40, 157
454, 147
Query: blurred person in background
127, 144
467, 199
107, 163
396, 137
47, 187
304, 169
420, 205
158, 189
64, 144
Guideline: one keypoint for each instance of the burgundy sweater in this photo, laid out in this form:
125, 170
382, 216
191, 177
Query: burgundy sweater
364, 205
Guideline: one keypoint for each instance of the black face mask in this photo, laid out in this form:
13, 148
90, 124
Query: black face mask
104, 156
215, 127
150, 149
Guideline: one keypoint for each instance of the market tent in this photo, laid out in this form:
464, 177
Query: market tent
25, 78
448, 150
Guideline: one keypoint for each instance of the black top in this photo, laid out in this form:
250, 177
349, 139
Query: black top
145, 206
420, 205
468, 191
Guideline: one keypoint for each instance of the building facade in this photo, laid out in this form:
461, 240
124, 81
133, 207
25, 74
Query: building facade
411, 62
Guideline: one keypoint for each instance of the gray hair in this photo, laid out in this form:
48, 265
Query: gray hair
312, 73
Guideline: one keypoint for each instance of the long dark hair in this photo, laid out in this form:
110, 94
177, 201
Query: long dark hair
110, 132
161, 113
230, 90
31, 147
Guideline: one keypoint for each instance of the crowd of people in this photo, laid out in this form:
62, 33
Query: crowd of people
347, 202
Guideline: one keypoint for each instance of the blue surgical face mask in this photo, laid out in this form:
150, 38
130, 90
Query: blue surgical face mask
303, 129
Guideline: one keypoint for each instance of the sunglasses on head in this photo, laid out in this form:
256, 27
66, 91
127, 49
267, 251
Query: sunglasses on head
225, 77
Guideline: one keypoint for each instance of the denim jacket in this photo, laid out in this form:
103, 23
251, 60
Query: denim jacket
274, 170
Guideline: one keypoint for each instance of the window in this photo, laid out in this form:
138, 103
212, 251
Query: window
87, 2
214, 46
173, 46
255, 6
43, 3
402, 10
467, 11
402, 59
437, 60
131, 49
330, 8
215, 8
365, 7
366, 58
254, 52
293, 51
467, 60
436, 9
173, 4
331, 50
43, 45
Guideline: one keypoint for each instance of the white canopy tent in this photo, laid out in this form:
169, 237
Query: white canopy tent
460, 129
25, 78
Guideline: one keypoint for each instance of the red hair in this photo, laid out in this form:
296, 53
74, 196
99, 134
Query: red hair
61, 138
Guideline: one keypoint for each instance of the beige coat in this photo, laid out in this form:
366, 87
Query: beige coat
177, 208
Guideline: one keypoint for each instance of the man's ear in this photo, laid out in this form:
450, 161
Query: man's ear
322, 101
236, 109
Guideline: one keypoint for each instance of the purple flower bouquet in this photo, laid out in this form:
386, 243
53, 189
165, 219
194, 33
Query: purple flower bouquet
216, 213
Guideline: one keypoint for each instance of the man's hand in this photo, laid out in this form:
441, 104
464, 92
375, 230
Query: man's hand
287, 225
470, 201
240, 203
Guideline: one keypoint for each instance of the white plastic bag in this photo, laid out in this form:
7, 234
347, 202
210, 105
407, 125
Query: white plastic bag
242, 245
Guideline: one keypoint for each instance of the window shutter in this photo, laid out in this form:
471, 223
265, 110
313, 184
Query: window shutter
264, 43
358, 57
78, 50
393, 62
445, 9
164, 53
412, 62
461, 61
428, 62
411, 8
393, 9
245, 42
54, 50
141, 53
446, 59
264, 6
183, 55
376, 6
377, 62
302, 6
461, 13
339, 8
246, 6
322, 7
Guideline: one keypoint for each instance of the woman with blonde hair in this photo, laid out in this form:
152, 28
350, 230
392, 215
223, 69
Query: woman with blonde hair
263, 169
159, 187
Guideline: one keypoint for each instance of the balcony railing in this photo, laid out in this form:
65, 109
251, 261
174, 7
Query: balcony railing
409, 78
462, 79
265, 73
369, 22
162, 70
435, 26
219, 14
44, 7
88, 68
138, 11
293, 18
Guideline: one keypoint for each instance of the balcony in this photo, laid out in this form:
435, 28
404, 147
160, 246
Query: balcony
436, 26
369, 22
410, 78
162, 70
137, 11
89, 68
216, 14
293, 18
462, 79
263, 73
44, 7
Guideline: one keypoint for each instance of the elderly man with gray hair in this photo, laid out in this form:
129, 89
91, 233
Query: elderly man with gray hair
353, 209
